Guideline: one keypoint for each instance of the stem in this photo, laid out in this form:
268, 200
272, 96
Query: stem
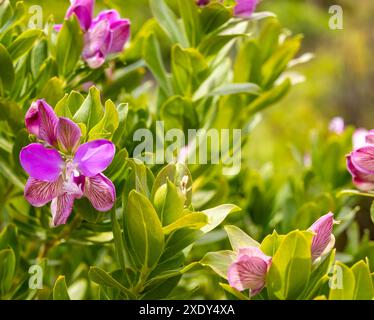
44, 250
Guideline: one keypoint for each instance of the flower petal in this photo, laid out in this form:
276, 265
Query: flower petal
41, 121
363, 159
38, 193
41, 163
94, 157
61, 208
95, 61
254, 252
68, 135
97, 39
248, 273
359, 138
323, 231
107, 15
245, 8
120, 34
100, 191
83, 9
362, 180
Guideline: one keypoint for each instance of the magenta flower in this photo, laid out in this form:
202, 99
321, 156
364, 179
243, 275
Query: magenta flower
242, 8
245, 8
107, 34
84, 10
61, 170
360, 162
323, 239
249, 270
103, 35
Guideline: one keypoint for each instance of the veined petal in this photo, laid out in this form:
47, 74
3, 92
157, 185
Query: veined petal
94, 157
108, 15
38, 193
120, 34
97, 39
42, 121
248, 273
254, 252
323, 231
61, 208
362, 180
41, 163
68, 135
100, 191
245, 8
83, 9
363, 159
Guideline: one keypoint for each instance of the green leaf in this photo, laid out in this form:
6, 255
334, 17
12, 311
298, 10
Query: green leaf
213, 16
60, 290
190, 16
319, 275
168, 22
53, 91
7, 269
91, 111
363, 284
118, 241
101, 277
187, 65
69, 46
194, 220
269, 97
271, 243
11, 18
153, 57
235, 88
291, 266
69, 104
372, 211
176, 173
107, 125
278, 62
219, 261
7, 74
179, 113
247, 67
233, 291
24, 43
8, 174
239, 239
169, 203
211, 45
217, 215
343, 288
144, 230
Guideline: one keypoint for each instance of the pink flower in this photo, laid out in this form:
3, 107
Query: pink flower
323, 239
242, 8
360, 162
249, 270
103, 35
245, 8
107, 34
61, 170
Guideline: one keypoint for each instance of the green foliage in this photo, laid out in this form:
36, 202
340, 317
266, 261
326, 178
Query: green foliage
192, 68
